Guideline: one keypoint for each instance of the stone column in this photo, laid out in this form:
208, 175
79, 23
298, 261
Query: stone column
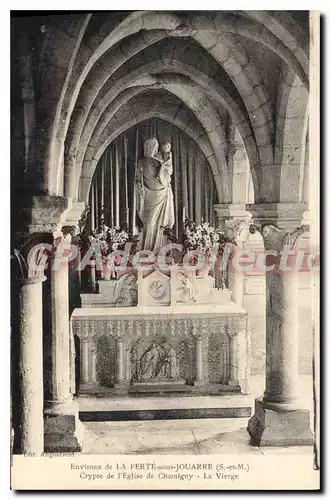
120, 361
279, 419
93, 357
41, 220
122, 383
199, 380
28, 400
238, 166
63, 430
93, 275
233, 361
84, 361
234, 221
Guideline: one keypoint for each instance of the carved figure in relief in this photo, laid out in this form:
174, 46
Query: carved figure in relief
157, 362
186, 288
166, 169
150, 362
170, 365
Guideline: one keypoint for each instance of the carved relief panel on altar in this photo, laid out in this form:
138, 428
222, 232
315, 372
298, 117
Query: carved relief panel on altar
183, 286
175, 349
161, 361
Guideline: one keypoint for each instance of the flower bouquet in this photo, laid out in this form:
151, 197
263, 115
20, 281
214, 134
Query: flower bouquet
107, 241
201, 240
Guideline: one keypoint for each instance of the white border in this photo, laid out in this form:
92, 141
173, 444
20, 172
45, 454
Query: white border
321, 6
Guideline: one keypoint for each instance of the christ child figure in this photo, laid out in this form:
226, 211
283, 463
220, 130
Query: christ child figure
166, 168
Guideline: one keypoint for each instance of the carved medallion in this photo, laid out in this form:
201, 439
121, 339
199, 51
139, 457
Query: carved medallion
157, 290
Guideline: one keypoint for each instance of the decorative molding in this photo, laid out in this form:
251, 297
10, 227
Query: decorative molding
46, 214
147, 325
286, 216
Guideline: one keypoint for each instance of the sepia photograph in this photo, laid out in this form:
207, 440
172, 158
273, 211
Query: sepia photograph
165, 250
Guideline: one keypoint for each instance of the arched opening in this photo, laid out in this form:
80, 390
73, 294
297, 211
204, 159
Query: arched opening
112, 198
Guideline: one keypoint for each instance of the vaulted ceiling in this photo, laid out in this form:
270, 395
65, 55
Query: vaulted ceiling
94, 76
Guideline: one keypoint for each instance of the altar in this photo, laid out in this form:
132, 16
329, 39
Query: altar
126, 350
159, 322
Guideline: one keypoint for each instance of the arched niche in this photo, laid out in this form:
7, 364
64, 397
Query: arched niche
111, 193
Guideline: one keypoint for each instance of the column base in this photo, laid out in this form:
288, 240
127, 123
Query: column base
121, 388
63, 431
279, 428
234, 383
199, 383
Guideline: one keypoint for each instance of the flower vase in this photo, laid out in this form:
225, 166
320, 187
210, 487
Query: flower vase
203, 272
107, 273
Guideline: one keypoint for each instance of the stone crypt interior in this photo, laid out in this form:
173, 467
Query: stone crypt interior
229, 90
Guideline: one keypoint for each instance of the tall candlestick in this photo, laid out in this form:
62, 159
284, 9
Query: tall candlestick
184, 214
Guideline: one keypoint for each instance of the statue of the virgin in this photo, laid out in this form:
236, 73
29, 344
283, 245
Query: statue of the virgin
154, 196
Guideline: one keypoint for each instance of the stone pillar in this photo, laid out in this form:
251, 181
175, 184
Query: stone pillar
93, 276
199, 380
84, 361
28, 400
122, 384
233, 361
63, 430
236, 284
238, 166
234, 221
41, 219
279, 419
93, 357
120, 361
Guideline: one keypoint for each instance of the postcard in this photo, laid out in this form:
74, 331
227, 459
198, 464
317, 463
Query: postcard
165, 250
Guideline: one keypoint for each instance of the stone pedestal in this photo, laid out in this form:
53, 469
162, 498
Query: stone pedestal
63, 430
28, 406
275, 428
279, 419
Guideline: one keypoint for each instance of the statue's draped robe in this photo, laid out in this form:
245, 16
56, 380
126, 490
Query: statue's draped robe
156, 209
149, 364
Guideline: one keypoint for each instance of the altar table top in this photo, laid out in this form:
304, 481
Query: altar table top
86, 313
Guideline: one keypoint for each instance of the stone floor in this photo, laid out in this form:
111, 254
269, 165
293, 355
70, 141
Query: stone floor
188, 436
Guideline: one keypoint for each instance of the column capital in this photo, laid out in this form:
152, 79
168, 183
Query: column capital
275, 238
234, 219
238, 228
31, 273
